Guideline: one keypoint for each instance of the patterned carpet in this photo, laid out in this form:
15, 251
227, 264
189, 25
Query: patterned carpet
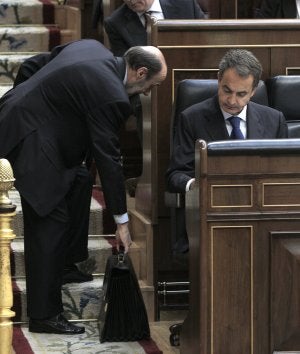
25, 342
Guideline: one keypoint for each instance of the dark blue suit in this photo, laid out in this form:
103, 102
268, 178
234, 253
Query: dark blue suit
278, 9
205, 121
72, 106
125, 30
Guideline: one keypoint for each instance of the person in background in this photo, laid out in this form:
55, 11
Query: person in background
228, 115
126, 26
279, 9
72, 106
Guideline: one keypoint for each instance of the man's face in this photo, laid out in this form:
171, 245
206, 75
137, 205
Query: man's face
234, 91
142, 85
139, 5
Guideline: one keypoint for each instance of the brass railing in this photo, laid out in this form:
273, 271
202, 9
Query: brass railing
7, 212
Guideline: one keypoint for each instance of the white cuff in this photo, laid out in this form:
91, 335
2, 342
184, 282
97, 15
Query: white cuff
121, 219
187, 187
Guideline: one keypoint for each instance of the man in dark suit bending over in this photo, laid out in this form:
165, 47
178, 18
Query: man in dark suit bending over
238, 77
126, 25
72, 106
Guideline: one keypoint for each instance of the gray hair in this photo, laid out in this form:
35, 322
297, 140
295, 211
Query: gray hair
136, 57
244, 62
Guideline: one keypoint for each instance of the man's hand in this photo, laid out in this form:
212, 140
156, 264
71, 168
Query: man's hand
123, 236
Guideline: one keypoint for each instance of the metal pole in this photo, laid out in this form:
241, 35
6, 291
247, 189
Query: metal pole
7, 212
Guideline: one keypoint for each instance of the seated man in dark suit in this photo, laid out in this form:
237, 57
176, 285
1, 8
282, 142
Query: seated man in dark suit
211, 120
125, 27
279, 9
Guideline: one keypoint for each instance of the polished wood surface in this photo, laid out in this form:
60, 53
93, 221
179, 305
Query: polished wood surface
243, 221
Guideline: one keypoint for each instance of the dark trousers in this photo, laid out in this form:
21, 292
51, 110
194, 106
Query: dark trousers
52, 242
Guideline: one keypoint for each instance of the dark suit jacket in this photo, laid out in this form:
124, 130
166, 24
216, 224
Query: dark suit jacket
31, 65
97, 13
124, 28
75, 103
278, 9
205, 121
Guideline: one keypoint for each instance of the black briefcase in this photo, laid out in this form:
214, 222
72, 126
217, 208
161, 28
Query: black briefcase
123, 315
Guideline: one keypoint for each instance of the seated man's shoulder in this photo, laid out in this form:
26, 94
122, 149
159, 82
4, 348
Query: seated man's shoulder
263, 109
118, 13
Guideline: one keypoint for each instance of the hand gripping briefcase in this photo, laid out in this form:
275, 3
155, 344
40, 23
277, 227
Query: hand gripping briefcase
123, 315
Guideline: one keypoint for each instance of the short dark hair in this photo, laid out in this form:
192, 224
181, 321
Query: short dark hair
244, 62
137, 57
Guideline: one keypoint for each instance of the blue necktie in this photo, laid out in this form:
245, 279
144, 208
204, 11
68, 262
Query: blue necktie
236, 131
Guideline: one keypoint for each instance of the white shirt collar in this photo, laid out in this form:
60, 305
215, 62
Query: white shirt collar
155, 9
242, 115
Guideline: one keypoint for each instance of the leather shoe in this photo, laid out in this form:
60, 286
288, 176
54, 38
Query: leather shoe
57, 324
73, 275
175, 330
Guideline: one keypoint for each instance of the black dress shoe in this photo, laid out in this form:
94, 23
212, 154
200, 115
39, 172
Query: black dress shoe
175, 330
57, 324
73, 275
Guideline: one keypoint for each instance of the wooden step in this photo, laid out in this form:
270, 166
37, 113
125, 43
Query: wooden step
95, 221
26, 12
4, 88
81, 301
9, 66
34, 12
99, 250
37, 38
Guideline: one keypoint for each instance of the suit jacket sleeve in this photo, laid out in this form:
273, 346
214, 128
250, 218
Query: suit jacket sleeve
105, 148
283, 130
199, 13
33, 64
182, 164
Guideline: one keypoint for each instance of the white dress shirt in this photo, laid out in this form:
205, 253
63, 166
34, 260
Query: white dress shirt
155, 10
243, 126
243, 117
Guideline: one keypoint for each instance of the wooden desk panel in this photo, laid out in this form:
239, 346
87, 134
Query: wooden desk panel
244, 259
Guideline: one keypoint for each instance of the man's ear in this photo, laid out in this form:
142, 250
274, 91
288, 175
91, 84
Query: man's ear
141, 73
253, 92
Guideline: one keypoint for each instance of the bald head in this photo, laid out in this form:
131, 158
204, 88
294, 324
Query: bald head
146, 67
149, 57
